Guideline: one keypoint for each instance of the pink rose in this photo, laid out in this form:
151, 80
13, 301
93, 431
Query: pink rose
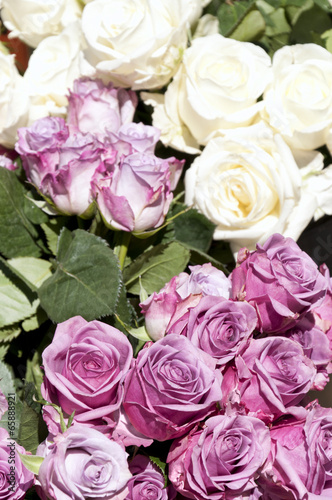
15, 478
147, 482
172, 386
182, 292
272, 376
301, 456
135, 194
85, 366
39, 146
61, 166
218, 326
281, 281
135, 137
83, 463
222, 460
323, 316
97, 108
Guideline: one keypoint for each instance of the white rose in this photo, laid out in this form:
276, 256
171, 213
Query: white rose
137, 43
34, 20
216, 88
52, 69
14, 103
248, 184
298, 103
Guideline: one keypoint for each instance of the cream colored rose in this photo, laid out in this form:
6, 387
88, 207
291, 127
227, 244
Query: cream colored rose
14, 103
137, 43
34, 20
248, 184
298, 103
52, 69
215, 89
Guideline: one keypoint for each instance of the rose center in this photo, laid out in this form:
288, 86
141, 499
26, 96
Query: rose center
177, 372
327, 443
149, 491
97, 472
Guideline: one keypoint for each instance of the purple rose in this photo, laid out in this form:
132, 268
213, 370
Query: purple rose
98, 108
172, 386
218, 326
301, 456
323, 316
221, 460
69, 187
61, 166
272, 376
15, 479
135, 194
135, 137
182, 292
205, 279
281, 281
83, 463
315, 345
148, 482
39, 146
85, 366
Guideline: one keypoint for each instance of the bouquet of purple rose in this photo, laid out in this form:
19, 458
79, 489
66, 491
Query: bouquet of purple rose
218, 405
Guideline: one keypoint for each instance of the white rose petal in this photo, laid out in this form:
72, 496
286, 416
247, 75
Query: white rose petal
34, 20
248, 184
207, 25
52, 69
137, 43
14, 103
298, 103
217, 87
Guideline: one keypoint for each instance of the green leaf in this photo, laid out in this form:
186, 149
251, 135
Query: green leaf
310, 21
156, 267
28, 429
32, 462
324, 4
31, 270
194, 230
3, 350
10, 333
6, 380
34, 375
161, 465
278, 23
87, 279
33, 212
52, 231
123, 307
7, 386
327, 36
34, 322
15, 305
251, 28
17, 233
230, 15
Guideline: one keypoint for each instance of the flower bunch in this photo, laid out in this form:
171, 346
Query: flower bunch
100, 155
138, 360
222, 389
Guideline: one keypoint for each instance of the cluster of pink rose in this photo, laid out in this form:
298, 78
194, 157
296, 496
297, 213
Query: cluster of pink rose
99, 156
225, 385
